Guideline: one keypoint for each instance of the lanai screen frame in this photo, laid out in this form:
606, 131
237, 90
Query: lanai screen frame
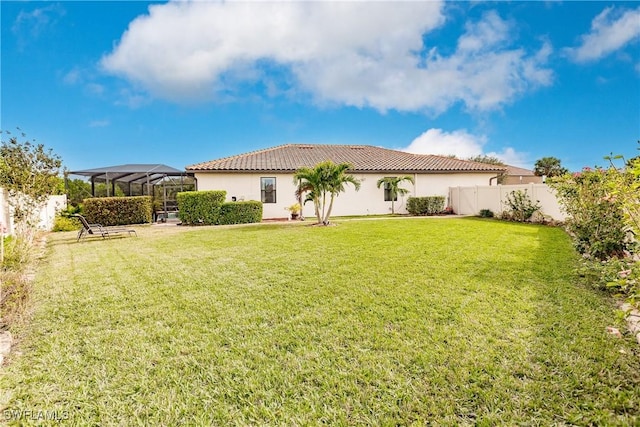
146, 174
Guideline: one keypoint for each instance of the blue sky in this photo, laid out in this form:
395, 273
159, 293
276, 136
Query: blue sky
105, 83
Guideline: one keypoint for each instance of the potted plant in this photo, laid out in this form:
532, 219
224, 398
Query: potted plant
294, 210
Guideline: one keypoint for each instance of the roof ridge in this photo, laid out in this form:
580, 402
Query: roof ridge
364, 157
262, 150
297, 144
290, 144
454, 157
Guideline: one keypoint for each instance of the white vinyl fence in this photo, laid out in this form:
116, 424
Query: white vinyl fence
47, 212
5, 219
470, 200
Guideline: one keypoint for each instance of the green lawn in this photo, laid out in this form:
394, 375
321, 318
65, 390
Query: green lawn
386, 322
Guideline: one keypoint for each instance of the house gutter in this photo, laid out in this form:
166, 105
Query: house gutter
497, 176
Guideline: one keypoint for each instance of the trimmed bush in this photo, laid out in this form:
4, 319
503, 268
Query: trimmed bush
430, 205
486, 213
200, 207
240, 212
118, 210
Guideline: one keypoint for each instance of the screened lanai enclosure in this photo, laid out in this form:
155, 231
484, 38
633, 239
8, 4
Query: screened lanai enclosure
162, 182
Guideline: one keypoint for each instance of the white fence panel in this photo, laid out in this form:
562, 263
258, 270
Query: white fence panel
47, 212
470, 200
5, 218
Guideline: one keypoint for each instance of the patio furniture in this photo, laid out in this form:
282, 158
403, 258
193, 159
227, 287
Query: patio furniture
99, 230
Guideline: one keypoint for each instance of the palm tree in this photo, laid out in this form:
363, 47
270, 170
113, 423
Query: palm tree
325, 178
337, 178
392, 184
309, 182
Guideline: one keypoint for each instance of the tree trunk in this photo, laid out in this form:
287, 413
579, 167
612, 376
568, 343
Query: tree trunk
325, 221
324, 205
316, 206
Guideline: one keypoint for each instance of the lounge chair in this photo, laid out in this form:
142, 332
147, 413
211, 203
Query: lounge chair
99, 230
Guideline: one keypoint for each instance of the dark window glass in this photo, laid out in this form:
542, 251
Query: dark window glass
268, 190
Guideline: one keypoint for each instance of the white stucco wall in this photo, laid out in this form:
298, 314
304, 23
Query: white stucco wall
368, 201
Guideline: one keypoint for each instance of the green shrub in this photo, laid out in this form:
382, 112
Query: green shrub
200, 207
604, 222
17, 253
62, 223
70, 211
486, 213
240, 212
429, 205
596, 219
519, 206
118, 210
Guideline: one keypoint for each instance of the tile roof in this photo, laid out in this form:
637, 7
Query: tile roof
364, 158
514, 170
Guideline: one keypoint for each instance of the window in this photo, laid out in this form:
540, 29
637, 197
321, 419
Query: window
268, 190
387, 193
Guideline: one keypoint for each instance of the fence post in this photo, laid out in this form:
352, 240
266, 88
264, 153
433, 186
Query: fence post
532, 192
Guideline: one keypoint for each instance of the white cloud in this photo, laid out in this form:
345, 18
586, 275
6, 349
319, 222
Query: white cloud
72, 77
352, 53
436, 141
38, 19
461, 144
95, 89
85, 78
611, 30
511, 157
131, 99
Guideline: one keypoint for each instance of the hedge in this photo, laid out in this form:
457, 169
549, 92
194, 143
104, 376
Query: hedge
430, 205
200, 207
240, 212
118, 210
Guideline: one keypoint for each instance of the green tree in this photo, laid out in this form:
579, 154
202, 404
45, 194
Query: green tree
326, 179
392, 184
30, 174
484, 158
549, 167
77, 191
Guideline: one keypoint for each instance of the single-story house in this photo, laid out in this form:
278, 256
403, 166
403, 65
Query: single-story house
267, 175
516, 176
